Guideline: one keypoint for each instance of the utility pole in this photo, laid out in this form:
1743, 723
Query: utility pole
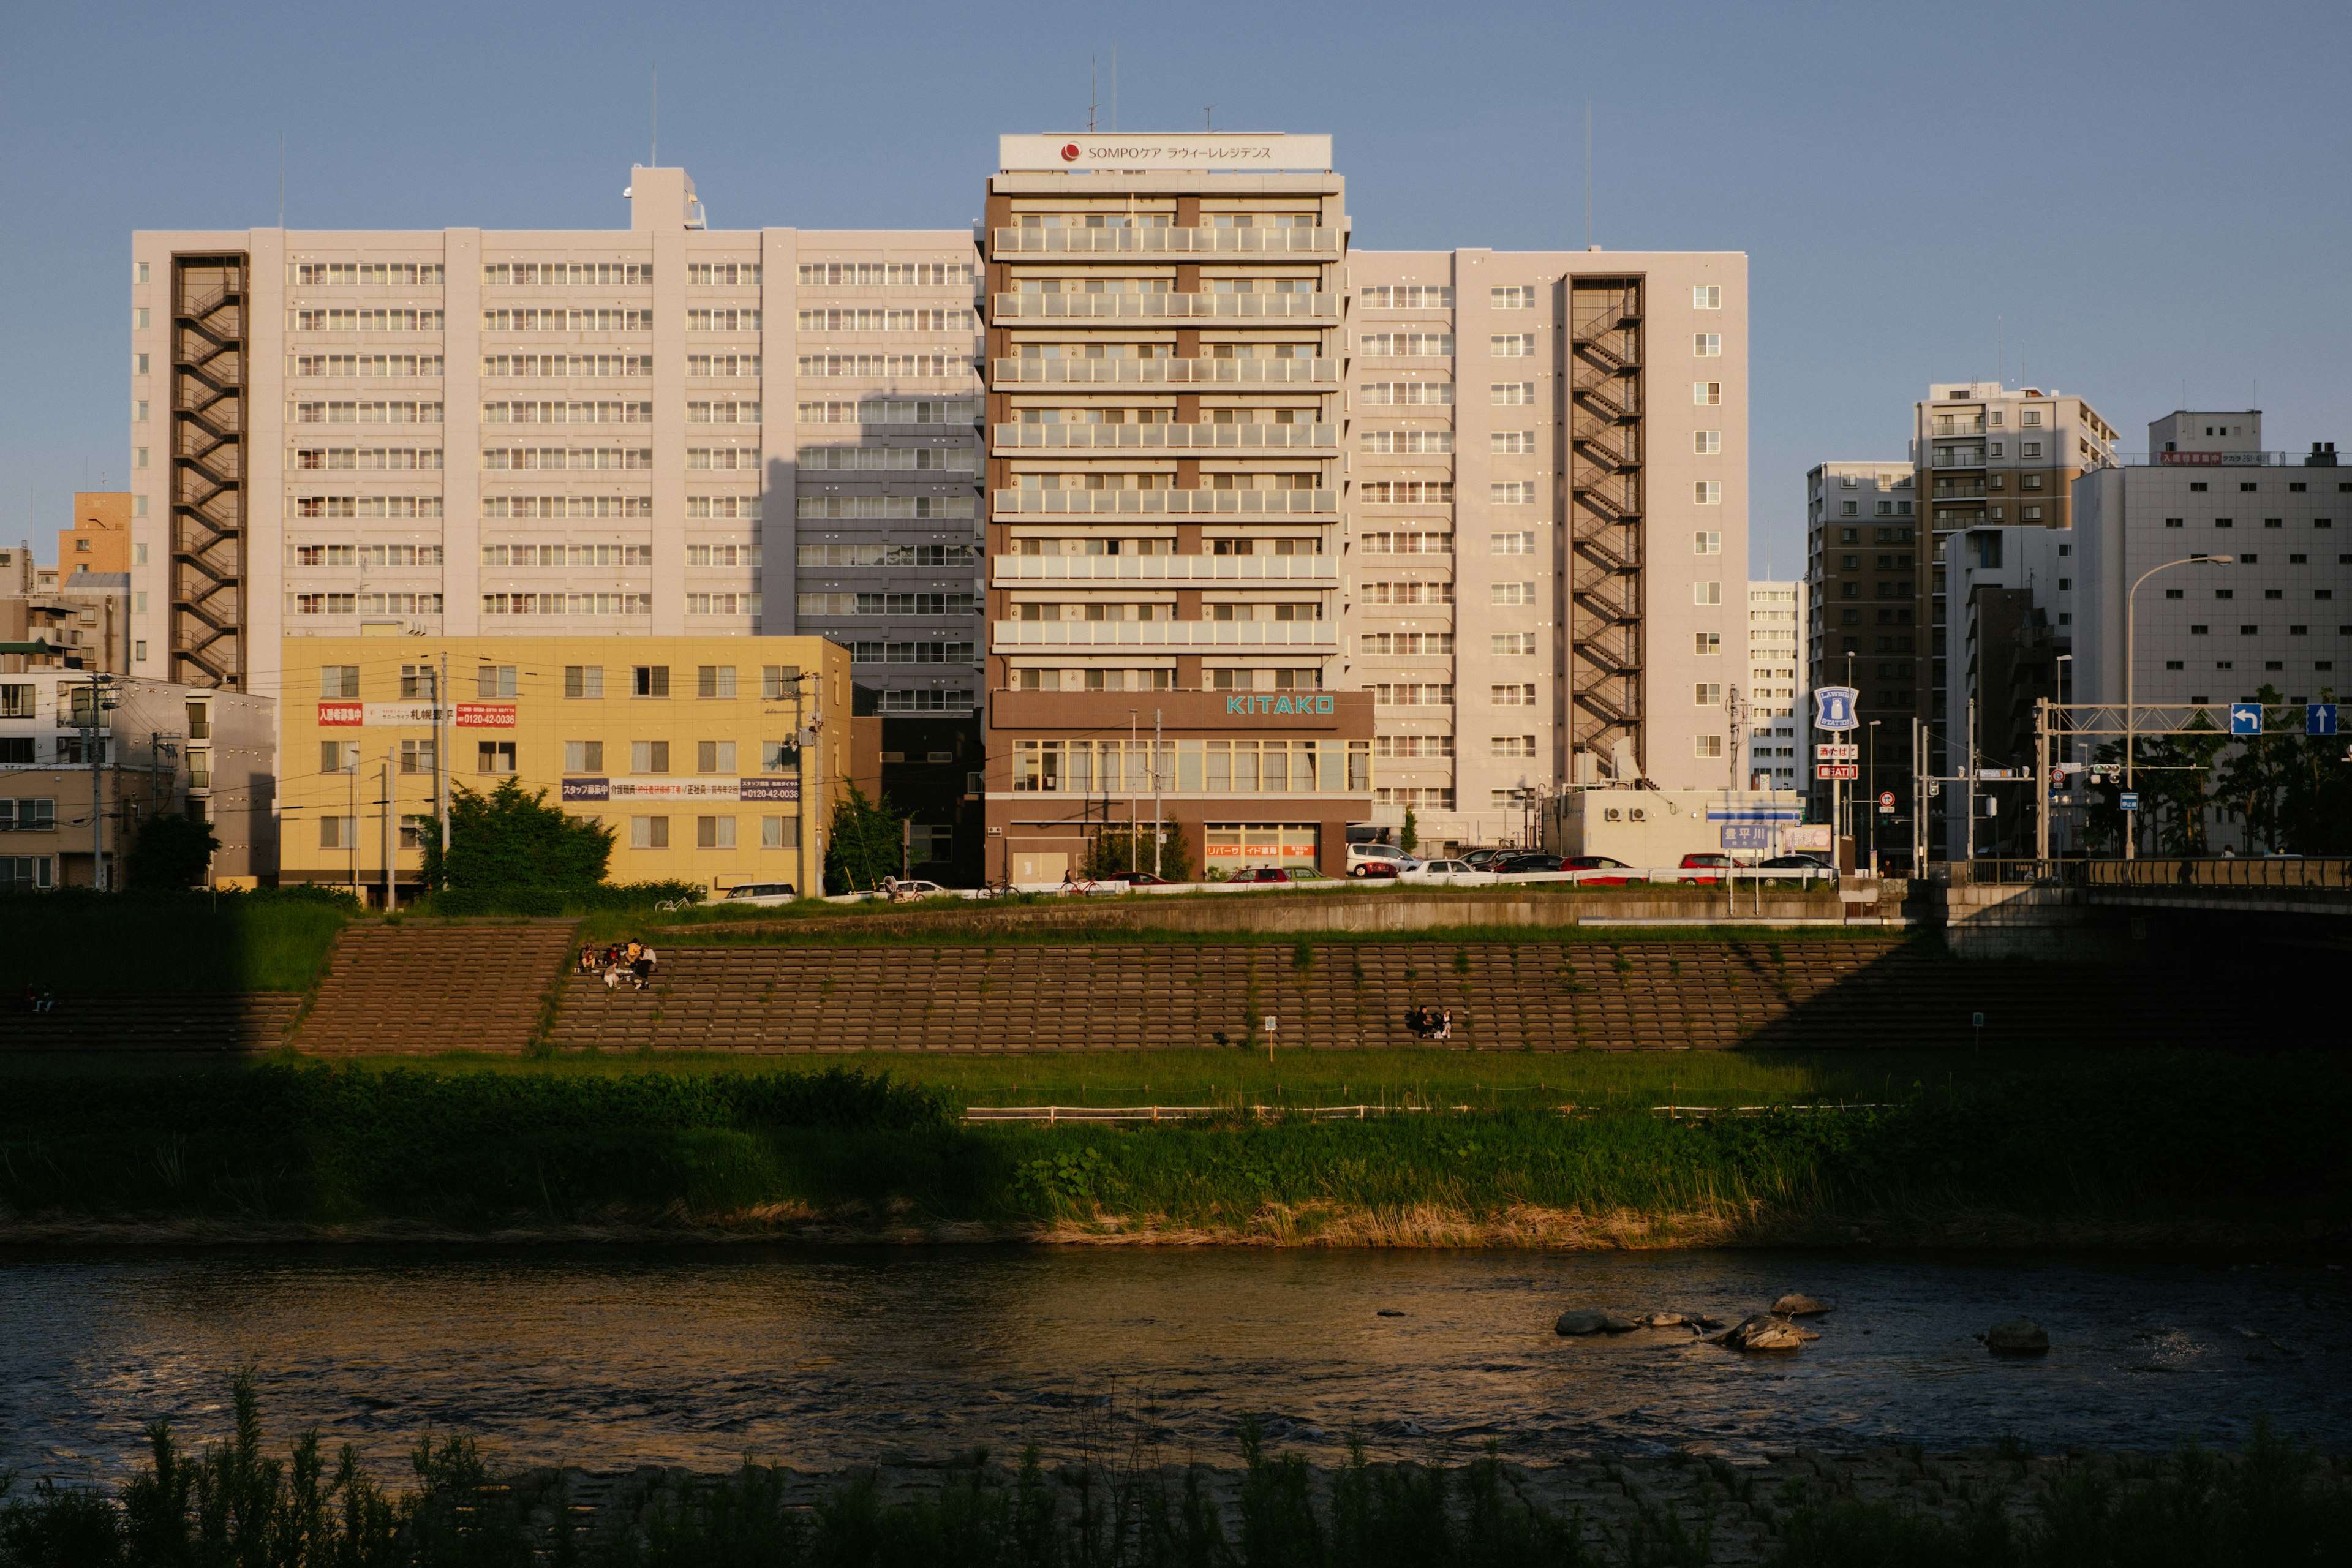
391, 835
93, 736
1970, 793
441, 717
1872, 805
2042, 784
1134, 801
1158, 831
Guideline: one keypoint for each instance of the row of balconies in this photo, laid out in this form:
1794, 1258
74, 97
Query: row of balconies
1164, 241
1011, 371
1170, 306
1010, 570
1166, 437
1008, 503
1010, 634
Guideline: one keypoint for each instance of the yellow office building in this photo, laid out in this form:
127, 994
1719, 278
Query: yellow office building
714, 759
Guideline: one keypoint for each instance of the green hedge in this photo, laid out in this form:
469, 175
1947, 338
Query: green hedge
548, 902
76, 941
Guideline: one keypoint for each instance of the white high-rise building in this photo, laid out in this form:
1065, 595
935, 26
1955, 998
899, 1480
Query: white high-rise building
1776, 715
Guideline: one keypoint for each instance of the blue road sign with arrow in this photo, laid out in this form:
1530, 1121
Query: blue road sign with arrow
2319, 719
2245, 718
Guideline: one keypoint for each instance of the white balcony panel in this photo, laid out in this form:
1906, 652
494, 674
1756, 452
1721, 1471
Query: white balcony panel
1321, 570
1010, 634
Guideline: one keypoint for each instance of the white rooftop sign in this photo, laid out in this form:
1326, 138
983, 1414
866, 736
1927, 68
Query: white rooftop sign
1241, 152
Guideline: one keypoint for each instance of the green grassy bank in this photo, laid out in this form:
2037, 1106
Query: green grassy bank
78, 942
2062, 1148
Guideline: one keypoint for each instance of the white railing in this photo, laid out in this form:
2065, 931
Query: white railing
1170, 306
1148, 241
1009, 371
1172, 437
1051, 503
1319, 569
1166, 634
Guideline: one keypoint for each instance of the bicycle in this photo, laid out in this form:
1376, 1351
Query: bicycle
673, 906
1001, 888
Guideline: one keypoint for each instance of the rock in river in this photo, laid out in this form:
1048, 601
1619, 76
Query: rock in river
1765, 1331
1799, 1305
2021, 1337
1575, 1324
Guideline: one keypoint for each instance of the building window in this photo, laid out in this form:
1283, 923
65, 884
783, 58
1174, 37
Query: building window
1505, 394
1707, 745
339, 682
651, 680
339, 833
1707, 296
1511, 345
1707, 694
495, 680
714, 833
1512, 645
584, 756
1706, 345
714, 681
339, 756
1705, 644
1706, 592
780, 832
1706, 543
494, 756
1706, 443
649, 833
583, 680
648, 757
714, 756
1512, 544
1708, 492
1707, 394
418, 757
1520, 298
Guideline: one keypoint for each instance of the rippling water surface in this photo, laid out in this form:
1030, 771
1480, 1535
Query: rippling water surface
611, 1357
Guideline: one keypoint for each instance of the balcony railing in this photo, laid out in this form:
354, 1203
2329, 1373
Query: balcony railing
1165, 306
1222, 503
1321, 570
1009, 371
1161, 241
1166, 634
1166, 437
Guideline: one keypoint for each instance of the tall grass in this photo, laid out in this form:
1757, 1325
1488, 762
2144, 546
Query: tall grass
2165, 1140
240, 1504
74, 942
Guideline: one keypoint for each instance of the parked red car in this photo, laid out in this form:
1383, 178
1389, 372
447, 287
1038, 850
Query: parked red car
1596, 863
1363, 869
1705, 862
1263, 874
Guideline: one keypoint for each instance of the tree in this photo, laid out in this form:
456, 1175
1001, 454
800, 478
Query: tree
169, 853
864, 846
508, 839
1114, 849
1409, 839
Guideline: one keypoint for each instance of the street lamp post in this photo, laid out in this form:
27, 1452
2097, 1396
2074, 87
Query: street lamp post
2131, 711
2065, 746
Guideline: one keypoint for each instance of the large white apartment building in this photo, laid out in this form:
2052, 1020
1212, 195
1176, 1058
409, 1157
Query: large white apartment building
1199, 403
666, 428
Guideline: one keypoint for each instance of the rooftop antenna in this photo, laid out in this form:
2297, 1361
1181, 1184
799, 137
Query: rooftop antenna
2001, 355
1092, 97
654, 124
281, 179
1588, 173
1207, 123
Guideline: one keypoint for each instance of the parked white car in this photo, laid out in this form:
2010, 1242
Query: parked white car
1447, 874
761, 894
1389, 854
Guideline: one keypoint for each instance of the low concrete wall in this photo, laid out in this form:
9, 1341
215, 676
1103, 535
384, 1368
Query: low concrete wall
1313, 913
2044, 923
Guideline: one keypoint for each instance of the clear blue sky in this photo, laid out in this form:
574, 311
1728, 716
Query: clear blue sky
2146, 196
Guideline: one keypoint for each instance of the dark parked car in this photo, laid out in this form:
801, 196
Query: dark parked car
1596, 863
1795, 863
1140, 879
1478, 859
1531, 861
1363, 870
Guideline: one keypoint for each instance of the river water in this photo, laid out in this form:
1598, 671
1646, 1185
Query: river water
816, 1358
